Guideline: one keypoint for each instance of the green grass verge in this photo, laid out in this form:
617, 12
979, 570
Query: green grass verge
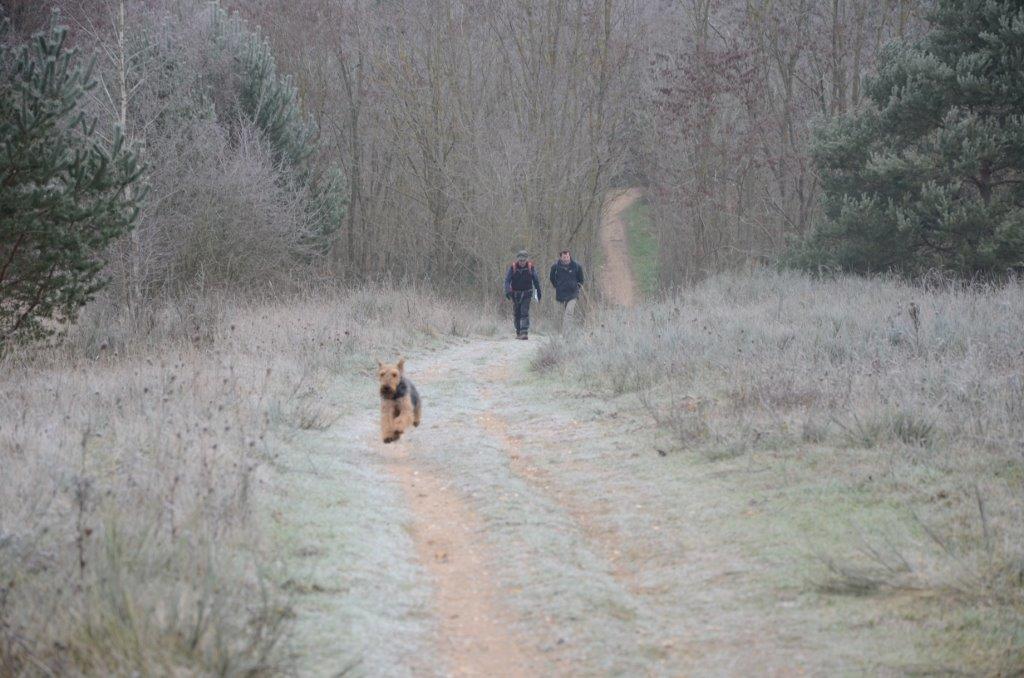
643, 247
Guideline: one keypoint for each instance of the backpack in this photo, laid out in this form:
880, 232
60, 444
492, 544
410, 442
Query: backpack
528, 268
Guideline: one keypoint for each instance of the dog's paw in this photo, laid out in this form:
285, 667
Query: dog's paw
415, 423
390, 439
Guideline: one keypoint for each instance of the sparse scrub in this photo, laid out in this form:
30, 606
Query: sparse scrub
549, 355
888, 427
684, 417
784, 345
228, 221
135, 453
966, 560
807, 372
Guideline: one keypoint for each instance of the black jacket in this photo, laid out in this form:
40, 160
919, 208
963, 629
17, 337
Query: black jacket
521, 279
566, 279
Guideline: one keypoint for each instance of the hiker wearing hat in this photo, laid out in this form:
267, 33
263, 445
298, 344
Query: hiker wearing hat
567, 279
520, 283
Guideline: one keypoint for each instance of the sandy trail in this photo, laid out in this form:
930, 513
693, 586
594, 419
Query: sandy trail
475, 640
617, 282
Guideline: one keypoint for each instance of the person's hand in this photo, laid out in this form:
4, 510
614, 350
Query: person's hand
508, 295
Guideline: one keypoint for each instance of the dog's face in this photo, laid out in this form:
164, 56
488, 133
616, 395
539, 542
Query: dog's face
389, 376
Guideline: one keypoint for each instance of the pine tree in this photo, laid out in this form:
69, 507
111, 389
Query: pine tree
931, 174
271, 101
62, 191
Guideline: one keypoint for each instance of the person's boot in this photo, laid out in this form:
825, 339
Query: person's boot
524, 336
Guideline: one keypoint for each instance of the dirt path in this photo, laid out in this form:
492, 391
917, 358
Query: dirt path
525, 530
617, 281
474, 626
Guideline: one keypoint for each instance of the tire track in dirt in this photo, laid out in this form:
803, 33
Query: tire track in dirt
474, 627
617, 282
630, 557
625, 560
607, 540
588, 511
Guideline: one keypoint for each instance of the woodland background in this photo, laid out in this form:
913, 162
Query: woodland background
426, 142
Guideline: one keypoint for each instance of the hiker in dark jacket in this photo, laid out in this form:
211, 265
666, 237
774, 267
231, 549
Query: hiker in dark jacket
520, 282
567, 279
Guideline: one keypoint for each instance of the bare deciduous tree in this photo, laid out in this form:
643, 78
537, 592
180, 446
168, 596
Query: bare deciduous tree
466, 129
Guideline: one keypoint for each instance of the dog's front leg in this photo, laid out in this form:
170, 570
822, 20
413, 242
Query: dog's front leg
387, 423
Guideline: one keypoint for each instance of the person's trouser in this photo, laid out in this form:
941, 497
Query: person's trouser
521, 310
568, 310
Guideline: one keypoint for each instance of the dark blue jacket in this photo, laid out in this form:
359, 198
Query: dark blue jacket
566, 279
522, 279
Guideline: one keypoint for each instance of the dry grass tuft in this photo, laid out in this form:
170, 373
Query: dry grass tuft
550, 355
134, 454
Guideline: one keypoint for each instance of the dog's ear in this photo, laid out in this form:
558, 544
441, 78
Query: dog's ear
401, 364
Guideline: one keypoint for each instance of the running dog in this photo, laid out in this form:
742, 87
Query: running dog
399, 401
